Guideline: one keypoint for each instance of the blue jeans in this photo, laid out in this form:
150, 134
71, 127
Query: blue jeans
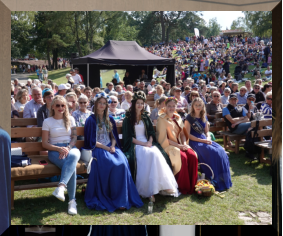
242, 128
68, 167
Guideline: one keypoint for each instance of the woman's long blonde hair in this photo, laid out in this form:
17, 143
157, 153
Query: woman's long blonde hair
202, 112
66, 114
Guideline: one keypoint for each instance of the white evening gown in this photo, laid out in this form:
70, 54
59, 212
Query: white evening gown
153, 172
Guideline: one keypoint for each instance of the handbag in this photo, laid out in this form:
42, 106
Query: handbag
86, 157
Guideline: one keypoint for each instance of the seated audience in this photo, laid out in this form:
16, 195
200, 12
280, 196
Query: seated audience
259, 96
173, 137
59, 137
43, 112
126, 104
149, 163
117, 114
110, 87
71, 98
22, 99
242, 95
159, 92
266, 107
250, 107
225, 98
159, 103
213, 107
266, 88
31, 107
182, 104
236, 117
208, 152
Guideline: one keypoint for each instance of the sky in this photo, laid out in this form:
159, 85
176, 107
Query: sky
224, 18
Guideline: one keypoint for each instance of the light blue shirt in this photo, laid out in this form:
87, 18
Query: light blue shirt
116, 76
241, 99
30, 110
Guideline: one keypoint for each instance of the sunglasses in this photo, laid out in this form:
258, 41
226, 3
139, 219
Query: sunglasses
113, 102
83, 102
73, 101
60, 105
256, 88
216, 96
269, 99
243, 90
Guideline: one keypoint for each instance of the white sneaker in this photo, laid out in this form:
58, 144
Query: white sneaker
59, 193
72, 209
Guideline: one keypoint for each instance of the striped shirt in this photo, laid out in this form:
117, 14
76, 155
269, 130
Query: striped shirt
266, 110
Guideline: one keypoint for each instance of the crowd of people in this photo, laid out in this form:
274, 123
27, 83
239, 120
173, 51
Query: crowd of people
149, 162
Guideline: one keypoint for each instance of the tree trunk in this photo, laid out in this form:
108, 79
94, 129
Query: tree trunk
48, 58
77, 36
162, 25
167, 35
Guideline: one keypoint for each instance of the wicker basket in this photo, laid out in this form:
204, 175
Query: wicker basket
206, 191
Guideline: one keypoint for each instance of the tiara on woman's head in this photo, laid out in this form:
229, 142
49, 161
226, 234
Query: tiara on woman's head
172, 98
139, 95
103, 95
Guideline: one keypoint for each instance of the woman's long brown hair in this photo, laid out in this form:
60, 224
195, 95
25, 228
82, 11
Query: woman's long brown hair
132, 111
106, 119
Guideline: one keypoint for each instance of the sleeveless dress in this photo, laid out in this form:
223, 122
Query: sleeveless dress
215, 156
153, 172
117, 230
110, 184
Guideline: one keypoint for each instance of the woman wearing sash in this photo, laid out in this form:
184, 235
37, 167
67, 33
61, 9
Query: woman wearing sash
209, 152
173, 137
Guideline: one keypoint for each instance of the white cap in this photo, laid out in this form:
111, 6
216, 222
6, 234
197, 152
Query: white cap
68, 75
62, 86
68, 85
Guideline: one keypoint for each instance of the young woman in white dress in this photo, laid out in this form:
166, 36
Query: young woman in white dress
150, 165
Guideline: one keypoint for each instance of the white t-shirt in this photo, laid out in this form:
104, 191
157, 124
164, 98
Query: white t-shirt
268, 73
77, 79
57, 130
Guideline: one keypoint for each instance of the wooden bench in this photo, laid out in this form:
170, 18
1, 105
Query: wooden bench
23, 122
262, 133
36, 171
227, 135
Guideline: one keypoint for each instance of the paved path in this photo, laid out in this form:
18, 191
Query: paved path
258, 218
21, 77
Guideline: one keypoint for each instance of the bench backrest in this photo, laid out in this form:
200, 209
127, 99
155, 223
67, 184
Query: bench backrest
23, 122
37, 132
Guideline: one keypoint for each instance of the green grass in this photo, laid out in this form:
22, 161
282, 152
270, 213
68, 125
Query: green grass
59, 76
251, 191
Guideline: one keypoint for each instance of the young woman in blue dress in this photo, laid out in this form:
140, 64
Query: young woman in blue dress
110, 185
209, 152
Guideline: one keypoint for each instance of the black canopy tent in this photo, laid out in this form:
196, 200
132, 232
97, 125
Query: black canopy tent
122, 55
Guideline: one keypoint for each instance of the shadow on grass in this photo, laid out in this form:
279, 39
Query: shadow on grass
240, 166
38, 210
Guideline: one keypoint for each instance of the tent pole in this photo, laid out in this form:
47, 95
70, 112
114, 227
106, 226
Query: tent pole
87, 74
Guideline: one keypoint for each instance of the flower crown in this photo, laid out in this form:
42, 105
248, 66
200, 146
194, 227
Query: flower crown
170, 99
104, 95
139, 95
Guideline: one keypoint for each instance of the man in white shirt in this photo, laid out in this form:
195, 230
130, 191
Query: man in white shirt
268, 73
76, 77
152, 85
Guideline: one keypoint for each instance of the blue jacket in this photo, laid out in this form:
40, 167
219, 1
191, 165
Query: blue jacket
90, 132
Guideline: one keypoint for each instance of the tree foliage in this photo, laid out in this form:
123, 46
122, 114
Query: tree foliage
58, 34
260, 22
